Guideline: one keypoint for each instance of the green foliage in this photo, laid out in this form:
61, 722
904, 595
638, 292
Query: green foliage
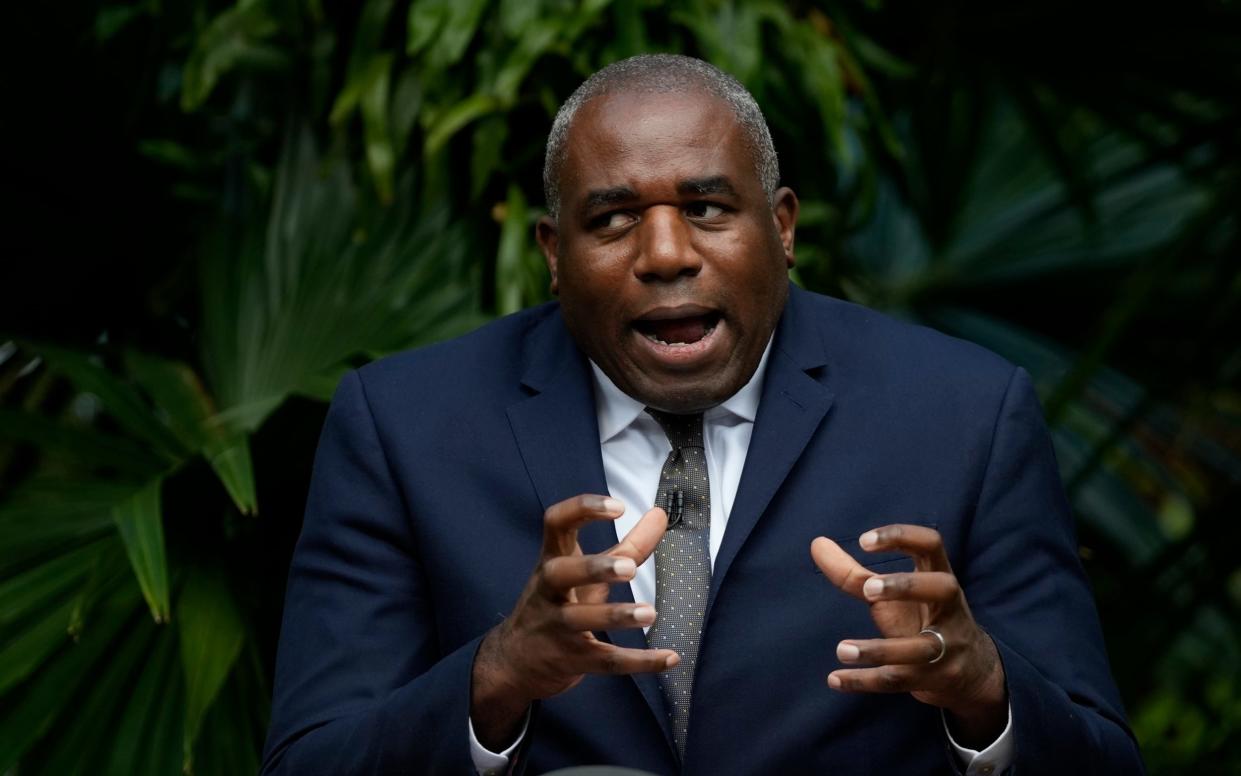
291, 295
348, 180
211, 635
140, 522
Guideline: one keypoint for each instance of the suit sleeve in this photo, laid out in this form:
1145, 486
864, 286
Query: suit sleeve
361, 685
1026, 587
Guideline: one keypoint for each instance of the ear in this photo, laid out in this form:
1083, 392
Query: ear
784, 209
548, 237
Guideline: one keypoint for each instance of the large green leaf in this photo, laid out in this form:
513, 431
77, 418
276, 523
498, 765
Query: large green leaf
30, 711
29, 592
512, 244
107, 571
148, 736
119, 399
824, 83
79, 443
211, 635
1021, 220
447, 124
237, 38
38, 640
139, 520
455, 33
359, 84
380, 149
426, 18
368, 89
44, 517
233, 730
87, 730
331, 280
1106, 501
230, 458
1017, 221
486, 152
407, 97
728, 33
534, 40
190, 412
179, 397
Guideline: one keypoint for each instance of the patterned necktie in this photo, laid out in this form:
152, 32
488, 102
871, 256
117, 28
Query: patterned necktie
682, 563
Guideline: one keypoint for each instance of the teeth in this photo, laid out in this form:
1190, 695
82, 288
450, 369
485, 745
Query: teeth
658, 341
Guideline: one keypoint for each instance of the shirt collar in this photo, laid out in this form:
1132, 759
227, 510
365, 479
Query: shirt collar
616, 410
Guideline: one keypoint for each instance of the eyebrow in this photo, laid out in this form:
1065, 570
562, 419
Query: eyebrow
616, 195
715, 184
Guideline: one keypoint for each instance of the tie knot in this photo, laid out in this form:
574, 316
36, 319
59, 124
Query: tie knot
682, 430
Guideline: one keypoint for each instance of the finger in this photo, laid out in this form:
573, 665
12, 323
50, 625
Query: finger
562, 520
932, 587
839, 566
911, 650
924, 544
642, 539
593, 617
884, 679
604, 658
561, 574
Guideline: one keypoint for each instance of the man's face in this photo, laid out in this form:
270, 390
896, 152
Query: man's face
669, 259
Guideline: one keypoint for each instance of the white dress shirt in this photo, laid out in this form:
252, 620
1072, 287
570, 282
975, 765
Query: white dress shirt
634, 448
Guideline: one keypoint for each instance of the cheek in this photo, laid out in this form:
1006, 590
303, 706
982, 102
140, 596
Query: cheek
592, 266
749, 265
728, 246
743, 248
592, 296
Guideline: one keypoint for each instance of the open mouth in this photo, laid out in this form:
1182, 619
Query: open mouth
681, 331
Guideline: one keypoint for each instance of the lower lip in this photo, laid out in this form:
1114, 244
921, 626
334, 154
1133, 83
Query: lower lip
685, 354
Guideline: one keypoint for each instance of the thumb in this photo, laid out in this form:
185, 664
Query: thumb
839, 566
642, 539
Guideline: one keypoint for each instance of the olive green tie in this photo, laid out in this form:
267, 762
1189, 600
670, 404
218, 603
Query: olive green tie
682, 562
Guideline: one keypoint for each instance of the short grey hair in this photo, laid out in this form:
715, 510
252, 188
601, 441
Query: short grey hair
666, 74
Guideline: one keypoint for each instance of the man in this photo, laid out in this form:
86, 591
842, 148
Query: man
690, 429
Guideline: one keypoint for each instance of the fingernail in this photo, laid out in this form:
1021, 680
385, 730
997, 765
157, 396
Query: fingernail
846, 652
672, 661
624, 567
873, 588
833, 681
611, 505
644, 614
868, 539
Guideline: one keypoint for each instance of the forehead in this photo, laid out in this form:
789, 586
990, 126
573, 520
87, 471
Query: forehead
648, 141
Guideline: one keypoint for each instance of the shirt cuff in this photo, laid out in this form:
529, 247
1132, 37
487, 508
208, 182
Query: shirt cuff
996, 758
489, 763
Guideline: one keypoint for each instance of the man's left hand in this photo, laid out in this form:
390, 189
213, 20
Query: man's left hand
962, 675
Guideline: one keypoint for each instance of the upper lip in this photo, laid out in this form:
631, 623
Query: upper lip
666, 313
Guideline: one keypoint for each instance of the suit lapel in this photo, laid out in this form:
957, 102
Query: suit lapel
555, 427
791, 409
557, 433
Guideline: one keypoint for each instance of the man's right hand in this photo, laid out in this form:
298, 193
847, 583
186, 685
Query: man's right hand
546, 645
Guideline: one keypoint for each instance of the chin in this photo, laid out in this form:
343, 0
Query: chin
684, 399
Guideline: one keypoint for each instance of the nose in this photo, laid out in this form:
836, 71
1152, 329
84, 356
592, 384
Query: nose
666, 250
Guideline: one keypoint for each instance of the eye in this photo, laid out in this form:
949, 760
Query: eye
704, 210
617, 219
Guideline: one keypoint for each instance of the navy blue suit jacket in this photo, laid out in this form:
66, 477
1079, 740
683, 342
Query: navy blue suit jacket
425, 519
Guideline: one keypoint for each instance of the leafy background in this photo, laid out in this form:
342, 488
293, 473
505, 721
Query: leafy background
216, 209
